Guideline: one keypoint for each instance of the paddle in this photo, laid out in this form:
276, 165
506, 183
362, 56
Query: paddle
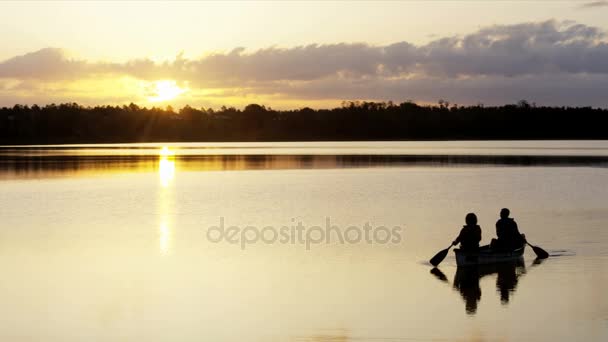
438, 258
437, 273
540, 253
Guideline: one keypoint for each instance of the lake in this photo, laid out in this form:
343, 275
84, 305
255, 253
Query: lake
130, 242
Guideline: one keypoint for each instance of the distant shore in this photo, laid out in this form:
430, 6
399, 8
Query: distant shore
354, 121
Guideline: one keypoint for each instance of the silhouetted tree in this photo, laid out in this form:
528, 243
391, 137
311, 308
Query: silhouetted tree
354, 120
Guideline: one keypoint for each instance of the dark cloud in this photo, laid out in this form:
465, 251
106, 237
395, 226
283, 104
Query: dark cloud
499, 62
549, 89
509, 50
532, 48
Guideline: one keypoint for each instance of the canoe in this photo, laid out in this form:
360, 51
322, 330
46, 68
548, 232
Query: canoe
487, 256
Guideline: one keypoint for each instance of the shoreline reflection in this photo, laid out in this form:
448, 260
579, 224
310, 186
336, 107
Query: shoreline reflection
25, 167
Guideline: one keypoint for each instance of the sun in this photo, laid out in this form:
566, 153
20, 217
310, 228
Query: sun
164, 90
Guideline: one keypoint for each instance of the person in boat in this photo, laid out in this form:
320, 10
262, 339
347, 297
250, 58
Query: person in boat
507, 233
470, 234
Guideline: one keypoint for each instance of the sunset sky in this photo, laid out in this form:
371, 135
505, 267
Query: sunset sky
291, 55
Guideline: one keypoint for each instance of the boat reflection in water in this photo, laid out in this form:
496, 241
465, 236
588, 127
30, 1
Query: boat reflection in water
466, 281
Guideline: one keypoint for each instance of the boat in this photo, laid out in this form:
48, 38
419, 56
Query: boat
486, 255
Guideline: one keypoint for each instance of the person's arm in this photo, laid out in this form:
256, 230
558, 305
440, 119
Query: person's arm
458, 238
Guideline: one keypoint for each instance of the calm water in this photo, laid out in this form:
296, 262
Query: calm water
110, 243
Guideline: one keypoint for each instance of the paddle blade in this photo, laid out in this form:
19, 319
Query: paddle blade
438, 258
437, 273
540, 253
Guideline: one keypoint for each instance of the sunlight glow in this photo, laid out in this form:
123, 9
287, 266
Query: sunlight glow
165, 90
165, 152
164, 235
166, 172
166, 166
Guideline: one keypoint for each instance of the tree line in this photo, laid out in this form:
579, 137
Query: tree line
354, 120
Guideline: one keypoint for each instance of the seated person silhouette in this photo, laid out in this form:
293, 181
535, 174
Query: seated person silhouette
507, 233
470, 234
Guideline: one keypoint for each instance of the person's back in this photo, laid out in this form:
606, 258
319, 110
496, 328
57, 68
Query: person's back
507, 232
470, 234
506, 229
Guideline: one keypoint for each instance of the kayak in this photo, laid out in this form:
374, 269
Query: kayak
485, 256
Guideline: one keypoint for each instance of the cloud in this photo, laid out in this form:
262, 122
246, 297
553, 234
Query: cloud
594, 4
49, 63
560, 89
503, 58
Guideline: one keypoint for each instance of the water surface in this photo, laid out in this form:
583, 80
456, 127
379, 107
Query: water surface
109, 243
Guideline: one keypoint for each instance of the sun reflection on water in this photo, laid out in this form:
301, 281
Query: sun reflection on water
166, 172
166, 166
164, 235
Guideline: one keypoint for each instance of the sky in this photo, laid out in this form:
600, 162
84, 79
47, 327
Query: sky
297, 54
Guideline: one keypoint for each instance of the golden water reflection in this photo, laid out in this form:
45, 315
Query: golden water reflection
166, 166
166, 172
164, 235
165, 163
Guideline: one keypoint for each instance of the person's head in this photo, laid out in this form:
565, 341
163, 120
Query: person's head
504, 213
471, 219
